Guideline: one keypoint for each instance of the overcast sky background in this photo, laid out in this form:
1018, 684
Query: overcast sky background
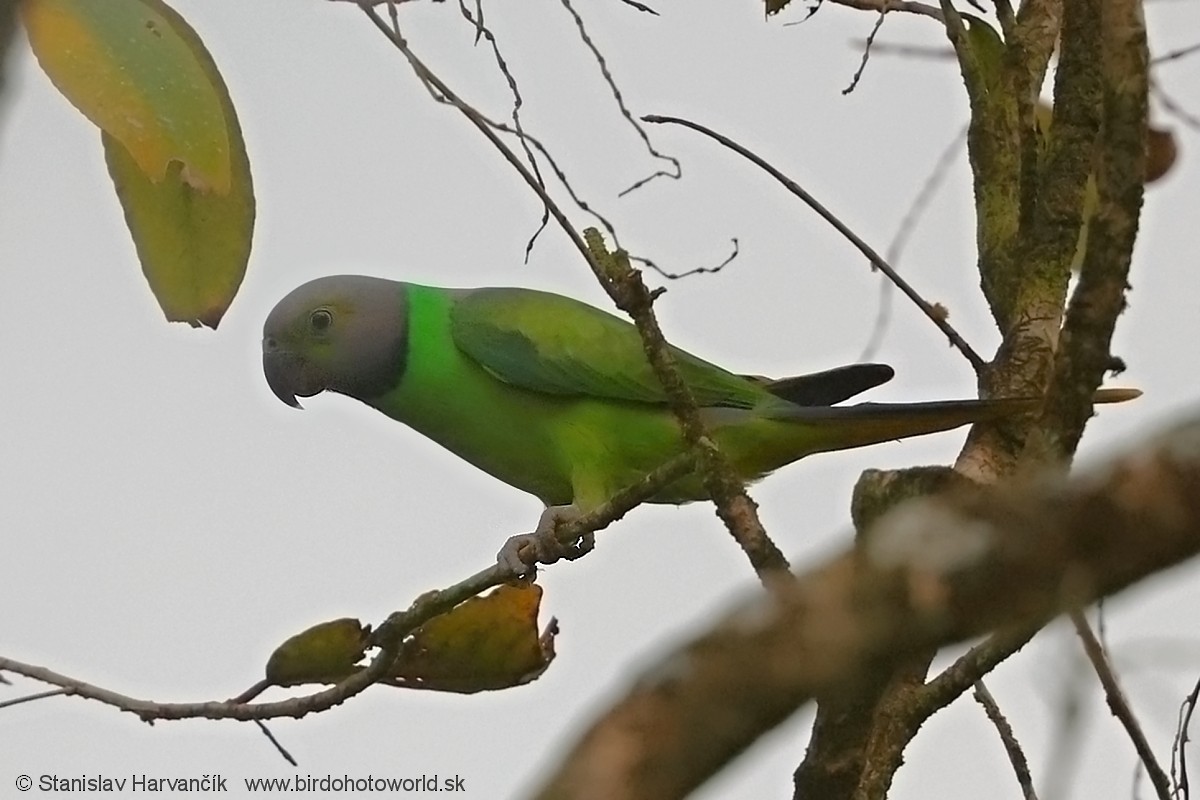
167, 522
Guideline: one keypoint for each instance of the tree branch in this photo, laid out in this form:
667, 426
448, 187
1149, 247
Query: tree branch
1099, 297
1016, 756
932, 572
387, 637
1120, 706
903, 6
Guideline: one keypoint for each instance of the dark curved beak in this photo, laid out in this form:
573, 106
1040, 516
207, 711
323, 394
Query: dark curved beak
281, 370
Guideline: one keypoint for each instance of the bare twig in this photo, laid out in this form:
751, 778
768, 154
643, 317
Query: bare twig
525, 138
981, 659
1173, 107
1016, 756
1179, 777
866, 53
876, 260
904, 231
254, 691
1062, 759
640, 6
262, 726
903, 6
1120, 706
694, 270
1175, 55
676, 170
29, 698
482, 30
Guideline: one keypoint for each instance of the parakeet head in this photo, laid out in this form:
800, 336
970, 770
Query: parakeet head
344, 333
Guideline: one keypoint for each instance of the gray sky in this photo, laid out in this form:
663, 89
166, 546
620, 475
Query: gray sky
168, 522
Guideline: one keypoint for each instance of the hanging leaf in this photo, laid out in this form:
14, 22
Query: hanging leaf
138, 71
488, 642
325, 653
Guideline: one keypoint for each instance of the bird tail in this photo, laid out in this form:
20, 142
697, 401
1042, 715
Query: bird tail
844, 427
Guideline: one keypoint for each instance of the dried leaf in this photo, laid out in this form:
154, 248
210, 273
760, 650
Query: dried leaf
488, 642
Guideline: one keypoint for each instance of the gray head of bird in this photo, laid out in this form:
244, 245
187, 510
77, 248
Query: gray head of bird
341, 333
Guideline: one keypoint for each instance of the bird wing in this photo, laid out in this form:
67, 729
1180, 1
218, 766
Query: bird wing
553, 344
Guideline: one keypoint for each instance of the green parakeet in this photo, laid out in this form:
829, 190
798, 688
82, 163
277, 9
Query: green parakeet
555, 397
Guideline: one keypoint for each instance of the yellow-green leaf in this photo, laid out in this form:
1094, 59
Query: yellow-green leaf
136, 70
325, 653
174, 149
488, 642
193, 244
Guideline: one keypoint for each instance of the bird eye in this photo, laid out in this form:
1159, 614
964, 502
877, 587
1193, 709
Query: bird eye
320, 320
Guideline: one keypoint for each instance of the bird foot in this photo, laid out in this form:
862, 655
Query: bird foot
543, 546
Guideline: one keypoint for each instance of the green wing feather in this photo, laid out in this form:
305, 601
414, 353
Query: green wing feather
552, 344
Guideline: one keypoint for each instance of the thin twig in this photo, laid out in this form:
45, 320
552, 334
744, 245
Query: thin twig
1175, 55
640, 6
1173, 107
482, 30
694, 270
1016, 756
676, 170
903, 6
253, 692
866, 53
878, 262
485, 126
29, 698
981, 659
1179, 779
527, 139
904, 231
1066, 737
1119, 705
262, 726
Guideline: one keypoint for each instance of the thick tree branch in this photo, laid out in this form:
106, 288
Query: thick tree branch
934, 571
1120, 168
857, 738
